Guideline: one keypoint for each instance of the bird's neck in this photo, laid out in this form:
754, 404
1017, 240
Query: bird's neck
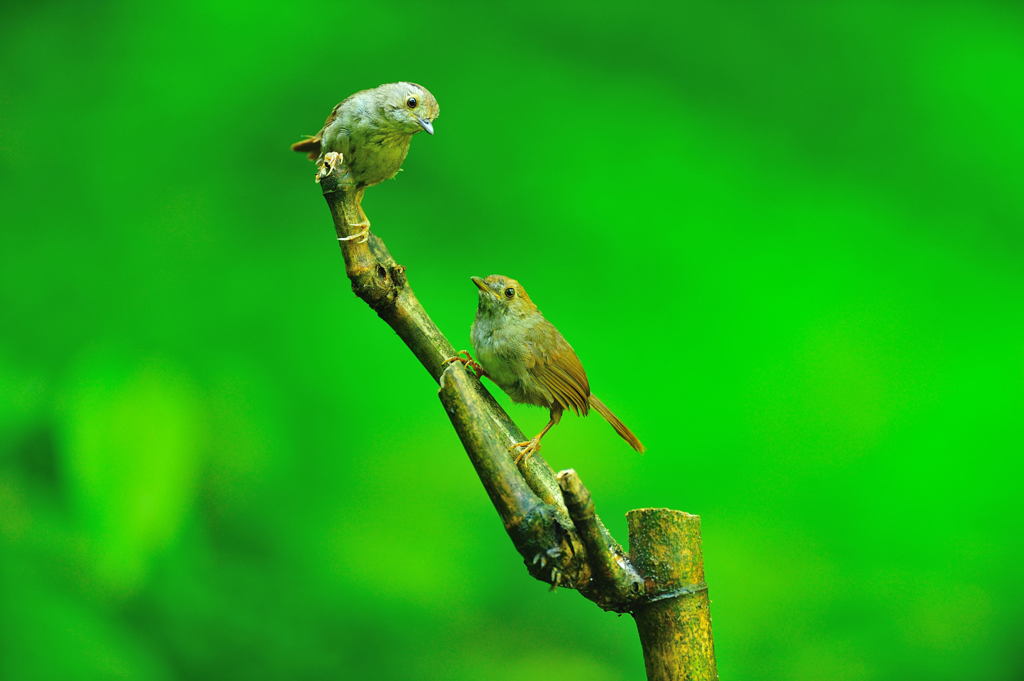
488, 323
389, 136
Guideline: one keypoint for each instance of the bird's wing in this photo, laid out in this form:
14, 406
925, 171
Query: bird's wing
312, 144
336, 110
557, 368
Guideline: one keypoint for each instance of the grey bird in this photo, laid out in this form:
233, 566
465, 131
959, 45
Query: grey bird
369, 133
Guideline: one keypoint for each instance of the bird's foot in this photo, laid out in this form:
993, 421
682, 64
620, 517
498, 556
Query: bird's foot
526, 449
325, 164
463, 357
359, 237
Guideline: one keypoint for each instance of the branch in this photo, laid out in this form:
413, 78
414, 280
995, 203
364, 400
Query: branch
551, 520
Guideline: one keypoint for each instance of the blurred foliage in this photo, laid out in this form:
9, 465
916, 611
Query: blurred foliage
785, 240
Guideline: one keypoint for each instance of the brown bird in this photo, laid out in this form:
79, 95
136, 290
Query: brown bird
528, 358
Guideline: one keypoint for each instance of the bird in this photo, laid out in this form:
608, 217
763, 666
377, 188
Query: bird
521, 351
369, 133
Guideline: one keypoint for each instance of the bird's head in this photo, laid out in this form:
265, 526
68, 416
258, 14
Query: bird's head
408, 107
503, 297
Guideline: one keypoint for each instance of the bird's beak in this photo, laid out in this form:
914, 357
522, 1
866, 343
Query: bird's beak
426, 125
482, 285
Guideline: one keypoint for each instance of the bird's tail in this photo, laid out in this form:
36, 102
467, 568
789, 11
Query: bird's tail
620, 427
310, 145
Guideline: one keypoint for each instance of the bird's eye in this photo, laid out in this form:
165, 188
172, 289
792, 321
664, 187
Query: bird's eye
411, 102
510, 292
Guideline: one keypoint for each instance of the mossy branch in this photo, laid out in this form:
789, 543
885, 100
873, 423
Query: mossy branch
550, 519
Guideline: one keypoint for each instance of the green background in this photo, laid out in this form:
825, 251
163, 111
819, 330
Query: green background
785, 242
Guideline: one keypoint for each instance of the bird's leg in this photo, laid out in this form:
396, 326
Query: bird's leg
533, 444
326, 165
467, 361
359, 220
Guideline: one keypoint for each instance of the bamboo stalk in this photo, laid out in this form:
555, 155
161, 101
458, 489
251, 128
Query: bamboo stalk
675, 625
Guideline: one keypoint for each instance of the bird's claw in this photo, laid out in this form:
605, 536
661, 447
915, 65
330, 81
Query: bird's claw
527, 449
460, 356
360, 237
463, 357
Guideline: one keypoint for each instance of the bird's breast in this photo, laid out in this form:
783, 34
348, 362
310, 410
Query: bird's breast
501, 351
372, 154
